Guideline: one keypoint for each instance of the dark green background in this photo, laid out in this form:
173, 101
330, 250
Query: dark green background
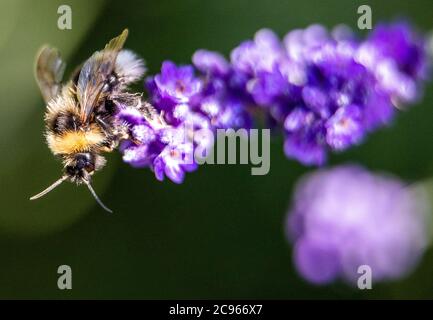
218, 235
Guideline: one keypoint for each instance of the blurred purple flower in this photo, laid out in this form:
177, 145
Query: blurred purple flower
398, 57
346, 217
335, 79
298, 43
400, 43
262, 54
211, 63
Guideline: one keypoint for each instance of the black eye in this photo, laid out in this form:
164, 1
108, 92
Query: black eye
81, 163
70, 170
82, 160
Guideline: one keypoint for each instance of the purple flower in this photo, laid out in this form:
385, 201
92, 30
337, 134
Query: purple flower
326, 90
346, 217
262, 54
269, 87
131, 116
340, 103
187, 104
398, 57
344, 128
226, 113
176, 157
401, 44
141, 155
223, 98
177, 83
307, 142
210, 62
298, 43
166, 149
316, 72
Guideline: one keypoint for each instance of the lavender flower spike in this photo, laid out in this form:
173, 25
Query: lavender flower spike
326, 91
346, 217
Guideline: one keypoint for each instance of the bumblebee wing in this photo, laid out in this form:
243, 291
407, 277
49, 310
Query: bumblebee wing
94, 75
49, 69
76, 73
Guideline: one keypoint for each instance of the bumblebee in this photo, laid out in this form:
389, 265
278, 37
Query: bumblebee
80, 116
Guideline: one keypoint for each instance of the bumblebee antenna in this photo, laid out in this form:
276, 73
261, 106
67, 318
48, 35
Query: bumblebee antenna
96, 197
53, 186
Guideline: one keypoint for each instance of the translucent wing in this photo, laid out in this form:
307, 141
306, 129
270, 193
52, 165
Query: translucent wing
49, 71
76, 73
94, 75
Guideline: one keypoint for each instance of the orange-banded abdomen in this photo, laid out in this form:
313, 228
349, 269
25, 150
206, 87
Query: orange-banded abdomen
71, 141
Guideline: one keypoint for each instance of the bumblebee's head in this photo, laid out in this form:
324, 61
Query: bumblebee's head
79, 169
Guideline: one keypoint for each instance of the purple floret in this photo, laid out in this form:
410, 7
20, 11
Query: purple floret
398, 56
177, 83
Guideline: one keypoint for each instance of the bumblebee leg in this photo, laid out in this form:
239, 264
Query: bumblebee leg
103, 124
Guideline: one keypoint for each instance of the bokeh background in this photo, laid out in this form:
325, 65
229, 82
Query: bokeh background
218, 235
